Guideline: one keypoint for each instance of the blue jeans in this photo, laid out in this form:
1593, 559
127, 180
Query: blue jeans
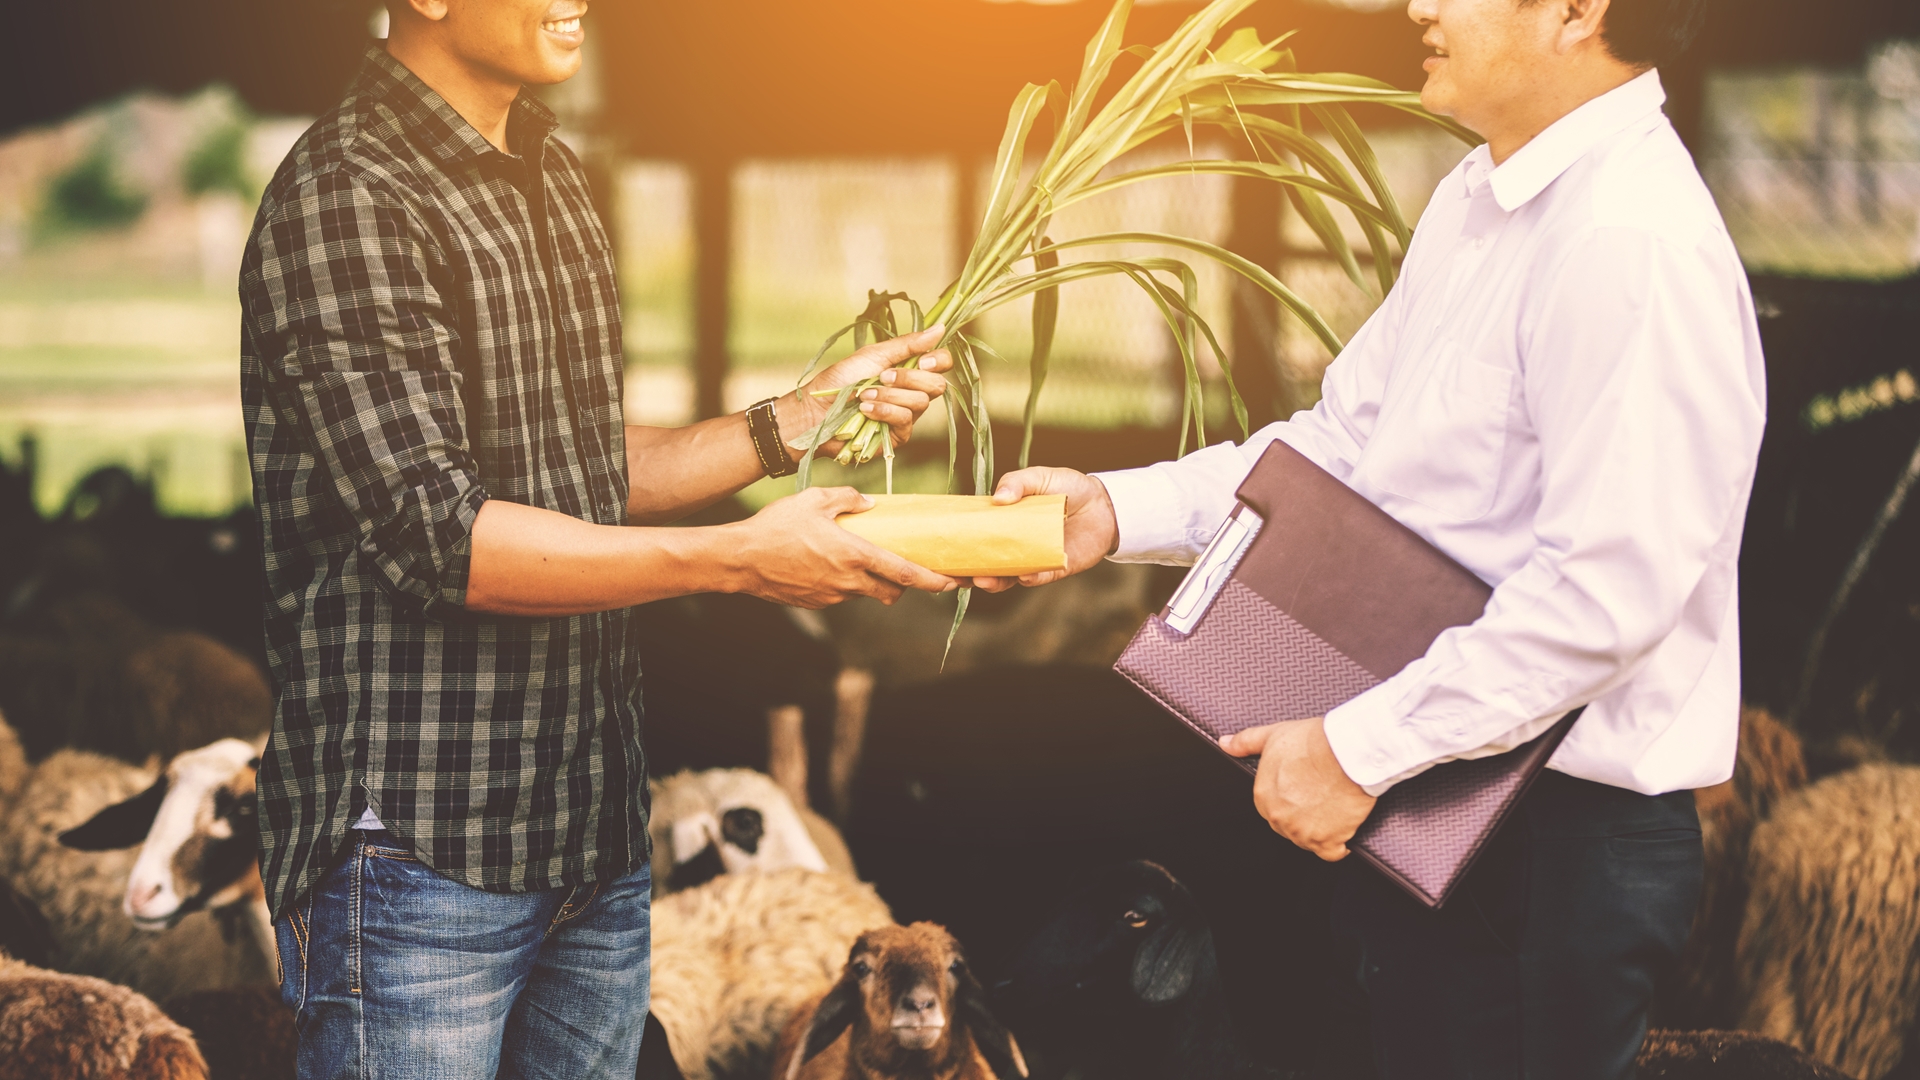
397, 973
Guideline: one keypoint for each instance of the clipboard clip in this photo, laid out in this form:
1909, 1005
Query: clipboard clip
1208, 576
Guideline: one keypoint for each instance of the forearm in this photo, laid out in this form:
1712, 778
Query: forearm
673, 472
528, 561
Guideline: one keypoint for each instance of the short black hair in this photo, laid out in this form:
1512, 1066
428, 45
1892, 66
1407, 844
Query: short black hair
1649, 33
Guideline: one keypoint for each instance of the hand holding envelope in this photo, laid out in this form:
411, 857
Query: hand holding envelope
967, 536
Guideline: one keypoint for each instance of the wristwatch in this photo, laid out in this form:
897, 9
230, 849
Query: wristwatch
765, 430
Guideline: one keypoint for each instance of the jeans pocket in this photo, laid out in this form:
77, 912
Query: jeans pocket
290, 933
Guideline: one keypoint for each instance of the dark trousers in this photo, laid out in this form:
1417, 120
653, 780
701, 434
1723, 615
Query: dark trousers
1542, 966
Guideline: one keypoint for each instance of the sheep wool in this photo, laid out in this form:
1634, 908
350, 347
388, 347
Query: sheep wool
1829, 952
735, 957
13, 764
82, 892
1771, 766
71, 1027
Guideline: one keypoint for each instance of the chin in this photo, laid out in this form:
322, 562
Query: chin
1437, 97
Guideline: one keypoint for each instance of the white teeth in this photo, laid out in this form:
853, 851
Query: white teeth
563, 26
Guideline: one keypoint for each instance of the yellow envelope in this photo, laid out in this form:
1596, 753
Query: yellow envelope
966, 535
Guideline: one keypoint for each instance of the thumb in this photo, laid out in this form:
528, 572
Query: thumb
843, 500
895, 350
1247, 743
1018, 485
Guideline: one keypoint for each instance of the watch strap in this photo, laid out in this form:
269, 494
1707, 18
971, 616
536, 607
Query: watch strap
764, 428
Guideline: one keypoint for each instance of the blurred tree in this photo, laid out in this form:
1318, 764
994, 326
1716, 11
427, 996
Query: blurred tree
219, 162
91, 195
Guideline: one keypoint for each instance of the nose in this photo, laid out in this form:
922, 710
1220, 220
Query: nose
1424, 12
141, 896
920, 1000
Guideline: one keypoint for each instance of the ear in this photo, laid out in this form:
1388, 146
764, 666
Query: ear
121, 825
1163, 966
834, 1016
995, 1042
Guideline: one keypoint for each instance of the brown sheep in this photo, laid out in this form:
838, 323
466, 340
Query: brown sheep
733, 959
906, 1008
71, 1027
1829, 951
1771, 766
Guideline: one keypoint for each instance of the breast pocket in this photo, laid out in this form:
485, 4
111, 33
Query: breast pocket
1441, 442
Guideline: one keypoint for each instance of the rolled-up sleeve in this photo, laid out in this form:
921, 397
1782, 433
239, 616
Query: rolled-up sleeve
359, 354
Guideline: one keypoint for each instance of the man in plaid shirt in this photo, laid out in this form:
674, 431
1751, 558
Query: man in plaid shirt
454, 795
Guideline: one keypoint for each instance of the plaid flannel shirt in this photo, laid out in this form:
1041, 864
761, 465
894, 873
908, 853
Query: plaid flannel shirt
429, 323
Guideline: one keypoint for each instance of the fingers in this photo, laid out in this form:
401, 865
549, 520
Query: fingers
1249, 742
928, 383
895, 408
995, 584
892, 568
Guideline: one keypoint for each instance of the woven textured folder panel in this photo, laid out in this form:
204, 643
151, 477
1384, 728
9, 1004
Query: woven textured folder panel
1224, 677
1429, 831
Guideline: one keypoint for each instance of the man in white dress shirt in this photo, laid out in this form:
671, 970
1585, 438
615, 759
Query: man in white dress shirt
1565, 393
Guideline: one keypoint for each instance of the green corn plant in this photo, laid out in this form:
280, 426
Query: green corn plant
1203, 78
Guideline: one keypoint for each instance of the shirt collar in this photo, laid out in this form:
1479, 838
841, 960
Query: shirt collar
424, 113
1527, 173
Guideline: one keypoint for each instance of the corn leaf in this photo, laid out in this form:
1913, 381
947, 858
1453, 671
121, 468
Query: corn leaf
1046, 319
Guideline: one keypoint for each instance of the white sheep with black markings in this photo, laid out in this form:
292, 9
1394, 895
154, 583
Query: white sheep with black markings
198, 830
729, 821
84, 894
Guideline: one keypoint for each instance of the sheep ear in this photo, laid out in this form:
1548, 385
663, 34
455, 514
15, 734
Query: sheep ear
834, 1015
121, 825
994, 1041
1163, 965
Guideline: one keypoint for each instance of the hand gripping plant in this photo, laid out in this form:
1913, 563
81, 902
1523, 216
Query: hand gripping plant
1244, 87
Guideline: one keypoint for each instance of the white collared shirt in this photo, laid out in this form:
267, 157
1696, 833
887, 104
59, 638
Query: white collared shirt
1564, 392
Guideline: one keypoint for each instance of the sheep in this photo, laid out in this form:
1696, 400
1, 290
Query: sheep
1770, 766
907, 1007
82, 892
733, 959
1733, 1055
71, 1027
24, 933
198, 829
13, 763
1123, 981
1829, 951
93, 675
245, 1033
731, 820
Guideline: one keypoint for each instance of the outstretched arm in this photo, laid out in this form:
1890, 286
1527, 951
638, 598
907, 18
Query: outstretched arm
674, 471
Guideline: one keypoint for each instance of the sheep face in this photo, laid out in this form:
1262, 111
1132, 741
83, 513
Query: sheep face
728, 821
913, 1007
1133, 938
199, 834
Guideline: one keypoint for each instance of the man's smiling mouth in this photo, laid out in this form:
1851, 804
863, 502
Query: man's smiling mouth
562, 26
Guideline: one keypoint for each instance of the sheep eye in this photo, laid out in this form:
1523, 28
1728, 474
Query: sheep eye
862, 969
956, 968
1135, 920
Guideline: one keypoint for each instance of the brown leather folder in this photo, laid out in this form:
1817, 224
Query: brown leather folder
1308, 596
